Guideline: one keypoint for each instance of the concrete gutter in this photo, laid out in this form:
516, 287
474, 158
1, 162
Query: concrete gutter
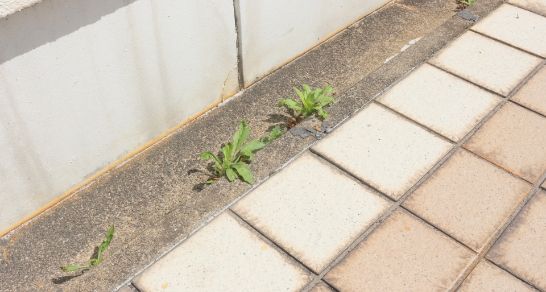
158, 198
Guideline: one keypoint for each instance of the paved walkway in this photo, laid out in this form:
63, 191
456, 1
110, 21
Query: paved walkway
436, 185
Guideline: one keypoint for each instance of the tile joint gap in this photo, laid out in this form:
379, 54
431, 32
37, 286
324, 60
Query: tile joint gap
505, 43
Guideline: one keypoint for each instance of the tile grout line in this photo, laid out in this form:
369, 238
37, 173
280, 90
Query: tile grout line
466, 80
272, 243
493, 239
524, 8
527, 108
413, 121
510, 273
534, 189
505, 43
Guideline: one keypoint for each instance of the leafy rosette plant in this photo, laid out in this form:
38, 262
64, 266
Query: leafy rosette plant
235, 156
312, 101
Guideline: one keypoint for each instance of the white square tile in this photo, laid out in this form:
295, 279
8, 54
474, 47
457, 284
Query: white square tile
312, 210
517, 27
486, 62
383, 149
223, 256
440, 101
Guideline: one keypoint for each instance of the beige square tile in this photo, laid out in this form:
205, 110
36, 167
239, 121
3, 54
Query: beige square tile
487, 277
533, 93
223, 256
486, 62
440, 101
468, 198
517, 27
538, 6
522, 247
515, 139
312, 210
402, 254
383, 149
321, 287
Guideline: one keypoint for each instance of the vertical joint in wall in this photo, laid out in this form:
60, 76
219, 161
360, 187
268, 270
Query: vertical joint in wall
237, 17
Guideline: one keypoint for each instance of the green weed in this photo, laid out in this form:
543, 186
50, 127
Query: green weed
273, 135
233, 164
312, 101
465, 3
93, 261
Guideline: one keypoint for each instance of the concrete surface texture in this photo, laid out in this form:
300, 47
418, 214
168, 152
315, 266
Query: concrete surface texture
159, 198
466, 215
275, 32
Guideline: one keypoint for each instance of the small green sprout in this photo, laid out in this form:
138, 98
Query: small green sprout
467, 2
312, 101
233, 164
93, 261
273, 135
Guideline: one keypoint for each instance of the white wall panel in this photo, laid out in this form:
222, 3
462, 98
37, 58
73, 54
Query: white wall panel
273, 32
83, 83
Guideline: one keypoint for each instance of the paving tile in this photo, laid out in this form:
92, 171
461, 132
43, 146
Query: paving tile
538, 6
223, 256
321, 287
402, 254
517, 27
468, 198
312, 210
515, 139
486, 62
383, 149
440, 101
487, 277
533, 93
125, 288
521, 249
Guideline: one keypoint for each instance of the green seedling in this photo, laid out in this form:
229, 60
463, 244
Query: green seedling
312, 101
96, 260
273, 135
233, 164
467, 2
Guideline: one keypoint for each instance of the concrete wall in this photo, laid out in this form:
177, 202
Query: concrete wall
85, 83
273, 32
